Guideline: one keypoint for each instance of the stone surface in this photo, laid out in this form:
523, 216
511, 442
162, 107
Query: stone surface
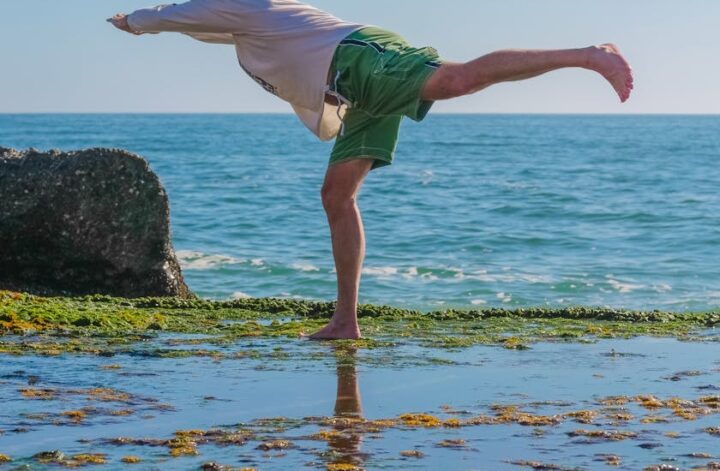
95, 221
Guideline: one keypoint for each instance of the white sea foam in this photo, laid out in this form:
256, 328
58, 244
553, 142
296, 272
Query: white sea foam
257, 262
535, 279
190, 260
662, 288
240, 295
484, 276
623, 287
456, 274
391, 272
411, 272
478, 302
383, 272
504, 297
307, 267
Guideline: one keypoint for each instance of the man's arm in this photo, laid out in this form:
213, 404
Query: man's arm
196, 16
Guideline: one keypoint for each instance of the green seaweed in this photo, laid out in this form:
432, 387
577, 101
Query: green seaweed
103, 325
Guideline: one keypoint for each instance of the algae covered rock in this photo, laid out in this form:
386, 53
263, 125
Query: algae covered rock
95, 221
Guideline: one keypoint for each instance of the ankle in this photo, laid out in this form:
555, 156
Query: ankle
587, 57
344, 321
345, 312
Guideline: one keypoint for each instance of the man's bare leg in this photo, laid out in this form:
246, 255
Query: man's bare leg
339, 196
457, 79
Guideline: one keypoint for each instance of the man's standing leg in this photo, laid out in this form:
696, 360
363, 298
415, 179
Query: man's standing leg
339, 197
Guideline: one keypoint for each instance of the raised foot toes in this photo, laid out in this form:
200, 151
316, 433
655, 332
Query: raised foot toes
609, 62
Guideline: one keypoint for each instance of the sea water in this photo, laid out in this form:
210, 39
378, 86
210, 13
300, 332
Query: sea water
477, 210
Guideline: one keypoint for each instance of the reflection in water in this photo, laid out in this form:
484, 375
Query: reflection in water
348, 390
345, 445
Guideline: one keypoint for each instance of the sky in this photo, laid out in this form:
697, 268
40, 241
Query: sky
61, 56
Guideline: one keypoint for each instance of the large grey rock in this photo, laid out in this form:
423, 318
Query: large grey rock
95, 221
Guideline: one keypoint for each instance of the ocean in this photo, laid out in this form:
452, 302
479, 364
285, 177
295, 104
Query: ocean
477, 211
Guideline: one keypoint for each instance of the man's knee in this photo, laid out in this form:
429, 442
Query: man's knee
451, 81
336, 200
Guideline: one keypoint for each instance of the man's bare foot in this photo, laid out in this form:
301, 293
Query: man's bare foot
607, 60
337, 331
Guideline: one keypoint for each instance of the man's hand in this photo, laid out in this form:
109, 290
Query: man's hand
120, 22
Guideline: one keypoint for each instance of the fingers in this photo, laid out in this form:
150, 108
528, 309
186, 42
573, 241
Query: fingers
120, 21
119, 25
116, 20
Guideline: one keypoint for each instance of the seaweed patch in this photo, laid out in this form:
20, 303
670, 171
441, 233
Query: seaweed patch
102, 325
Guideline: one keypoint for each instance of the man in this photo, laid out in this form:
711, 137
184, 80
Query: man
355, 83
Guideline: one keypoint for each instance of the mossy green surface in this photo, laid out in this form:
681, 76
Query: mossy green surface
99, 324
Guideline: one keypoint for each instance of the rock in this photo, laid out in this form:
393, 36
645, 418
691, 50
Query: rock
55, 455
95, 221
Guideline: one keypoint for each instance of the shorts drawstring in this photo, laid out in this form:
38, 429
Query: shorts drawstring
341, 100
342, 121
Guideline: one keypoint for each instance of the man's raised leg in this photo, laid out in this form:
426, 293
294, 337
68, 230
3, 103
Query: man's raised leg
339, 197
457, 79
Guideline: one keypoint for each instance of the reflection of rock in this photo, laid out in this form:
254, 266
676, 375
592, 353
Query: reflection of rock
93, 221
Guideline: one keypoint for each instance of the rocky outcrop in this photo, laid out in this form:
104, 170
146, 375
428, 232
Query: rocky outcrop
95, 221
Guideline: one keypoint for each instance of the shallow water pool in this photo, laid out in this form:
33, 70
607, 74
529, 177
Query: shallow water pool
511, 408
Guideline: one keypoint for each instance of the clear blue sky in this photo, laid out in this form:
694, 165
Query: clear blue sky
61, 56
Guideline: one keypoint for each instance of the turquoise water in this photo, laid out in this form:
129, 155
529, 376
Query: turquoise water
478, 210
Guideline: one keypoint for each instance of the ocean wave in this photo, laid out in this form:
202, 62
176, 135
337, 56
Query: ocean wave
623, 287
199, 261
407, 273
193, 260
485, 276
190, 260
306, 267
427, 177
383, 272
455, 274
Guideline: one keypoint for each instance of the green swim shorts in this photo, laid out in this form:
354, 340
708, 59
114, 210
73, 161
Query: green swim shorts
381, 77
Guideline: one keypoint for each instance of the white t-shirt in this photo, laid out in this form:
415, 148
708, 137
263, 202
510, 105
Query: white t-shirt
284, 45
